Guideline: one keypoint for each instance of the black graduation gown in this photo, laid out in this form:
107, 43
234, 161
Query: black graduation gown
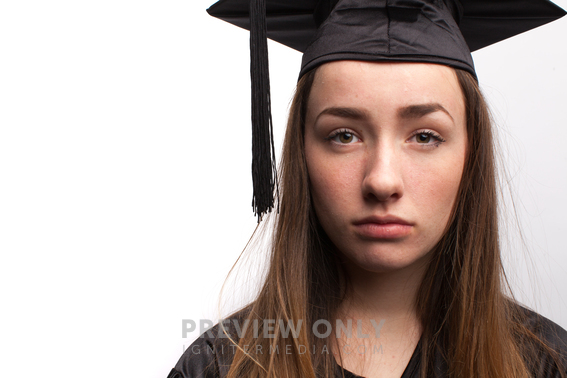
210, 356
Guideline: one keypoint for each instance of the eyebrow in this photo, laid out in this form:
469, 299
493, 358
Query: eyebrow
421, 110
350, 113
407, 112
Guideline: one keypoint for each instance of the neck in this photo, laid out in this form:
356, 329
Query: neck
385, 295
382, 309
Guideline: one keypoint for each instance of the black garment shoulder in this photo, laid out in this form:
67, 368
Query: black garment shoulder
543, 365
211, 354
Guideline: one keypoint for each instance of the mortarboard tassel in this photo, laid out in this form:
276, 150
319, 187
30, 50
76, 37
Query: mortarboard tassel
264, 177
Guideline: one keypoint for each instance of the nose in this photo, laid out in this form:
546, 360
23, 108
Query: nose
383, 179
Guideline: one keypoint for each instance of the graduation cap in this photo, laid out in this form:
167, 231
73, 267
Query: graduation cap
430, 31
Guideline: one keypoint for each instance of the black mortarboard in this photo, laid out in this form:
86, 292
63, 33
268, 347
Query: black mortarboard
432, 31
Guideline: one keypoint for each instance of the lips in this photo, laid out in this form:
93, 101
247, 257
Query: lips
386, 227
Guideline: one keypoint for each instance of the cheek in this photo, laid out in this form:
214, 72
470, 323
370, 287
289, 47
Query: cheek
333, 183
327, 184
435, 186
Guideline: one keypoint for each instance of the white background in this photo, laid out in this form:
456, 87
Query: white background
125, 183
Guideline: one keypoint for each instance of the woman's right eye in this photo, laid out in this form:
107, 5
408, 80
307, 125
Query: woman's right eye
343, 137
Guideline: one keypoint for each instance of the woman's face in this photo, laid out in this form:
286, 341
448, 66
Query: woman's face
385, 145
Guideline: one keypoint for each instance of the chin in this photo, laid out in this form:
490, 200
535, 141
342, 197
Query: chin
386, 261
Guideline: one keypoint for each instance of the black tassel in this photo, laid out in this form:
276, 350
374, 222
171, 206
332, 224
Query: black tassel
263, 154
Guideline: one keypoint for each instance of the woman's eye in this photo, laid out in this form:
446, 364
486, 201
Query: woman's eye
423, 138
428, 138
344, 137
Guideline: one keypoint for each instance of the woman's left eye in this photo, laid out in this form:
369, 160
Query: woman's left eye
343, 137
427, 137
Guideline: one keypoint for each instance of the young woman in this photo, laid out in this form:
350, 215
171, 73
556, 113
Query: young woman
385, 259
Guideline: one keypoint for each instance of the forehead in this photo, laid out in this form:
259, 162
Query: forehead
394, 85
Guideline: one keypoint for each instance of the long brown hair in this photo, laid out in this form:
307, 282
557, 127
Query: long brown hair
466, 315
